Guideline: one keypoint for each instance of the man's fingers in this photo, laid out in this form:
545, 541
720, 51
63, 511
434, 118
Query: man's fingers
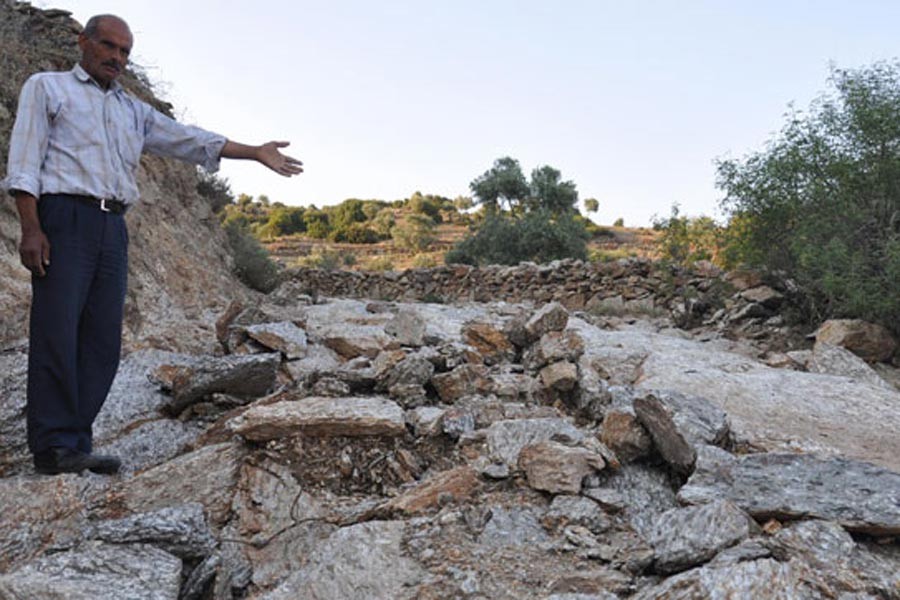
45, 254
281, 144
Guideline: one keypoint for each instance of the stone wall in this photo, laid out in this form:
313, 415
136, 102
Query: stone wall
630, 284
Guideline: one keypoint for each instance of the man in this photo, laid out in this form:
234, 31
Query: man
74, 151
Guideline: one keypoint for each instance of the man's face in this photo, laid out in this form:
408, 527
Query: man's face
105, 54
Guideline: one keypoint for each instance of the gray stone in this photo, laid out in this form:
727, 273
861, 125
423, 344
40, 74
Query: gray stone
97, 571
360, 561
677, 423
207, 476
599, 580
554, 347
457, 422
412, 370
686, 537
197, 583
841, 562
764, 578
860, 496
179, 530
248, 376
646, 493
560, 376
407, 328
151, 443
505, 439
517, 526
319, 361
550, 317
13, 376
556, 468
284, 337
834, 360
425, 420
576, 510
353, 416
769, 409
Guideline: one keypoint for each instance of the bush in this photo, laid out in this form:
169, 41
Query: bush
357, 233
215, 189
380, 263
685, 240
536, 236
327, 260
415, 233
252, 264
424, 261
822, 201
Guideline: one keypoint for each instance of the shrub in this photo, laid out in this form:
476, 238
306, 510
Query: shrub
686, 240
215, 189
822, 201
321, 258
415, 233
536, 236
424, 261
252, 264
380, 263
357, 233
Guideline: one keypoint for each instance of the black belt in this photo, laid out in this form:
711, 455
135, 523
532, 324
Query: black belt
116, 207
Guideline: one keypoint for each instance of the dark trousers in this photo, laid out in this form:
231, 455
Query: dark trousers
76, 322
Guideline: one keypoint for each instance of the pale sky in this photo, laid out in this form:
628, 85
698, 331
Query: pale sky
633, 101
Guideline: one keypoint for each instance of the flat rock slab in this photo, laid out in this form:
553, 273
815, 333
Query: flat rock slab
361, 561
860, 496
97, 571
321, 416
686, 537
837, 558
285, 337
765, 578
179, 530
775, 410
457, 484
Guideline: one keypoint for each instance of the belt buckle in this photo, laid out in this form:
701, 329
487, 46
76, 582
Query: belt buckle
103, 206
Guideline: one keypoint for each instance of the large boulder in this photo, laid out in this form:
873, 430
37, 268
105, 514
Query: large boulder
871, 342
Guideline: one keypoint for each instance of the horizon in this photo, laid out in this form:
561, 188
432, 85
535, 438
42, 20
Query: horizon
633, 103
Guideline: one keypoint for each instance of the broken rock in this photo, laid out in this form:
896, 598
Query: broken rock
556, 468
870, 342
284, 337
319, 416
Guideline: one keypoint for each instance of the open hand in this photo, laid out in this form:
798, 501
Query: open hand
269, 155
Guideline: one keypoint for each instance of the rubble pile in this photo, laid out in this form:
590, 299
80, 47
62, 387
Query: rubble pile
370, 449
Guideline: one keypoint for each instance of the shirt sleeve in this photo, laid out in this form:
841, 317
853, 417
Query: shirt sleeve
167, 137
29, 140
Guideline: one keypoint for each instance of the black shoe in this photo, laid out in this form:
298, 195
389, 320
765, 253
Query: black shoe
65, 460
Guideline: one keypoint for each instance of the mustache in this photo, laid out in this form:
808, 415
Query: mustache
115, 65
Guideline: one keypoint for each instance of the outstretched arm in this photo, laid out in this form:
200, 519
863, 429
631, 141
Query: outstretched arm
266, 154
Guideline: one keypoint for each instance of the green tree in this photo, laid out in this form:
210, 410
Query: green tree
686, 240
822, 201
548, 192
215, 189
591, 205
502, 185
317, 223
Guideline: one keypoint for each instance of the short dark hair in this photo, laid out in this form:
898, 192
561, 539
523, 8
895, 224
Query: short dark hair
90, 28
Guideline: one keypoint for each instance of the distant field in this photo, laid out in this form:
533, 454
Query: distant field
613, 243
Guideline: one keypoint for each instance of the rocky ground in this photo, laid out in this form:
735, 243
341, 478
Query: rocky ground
341, 448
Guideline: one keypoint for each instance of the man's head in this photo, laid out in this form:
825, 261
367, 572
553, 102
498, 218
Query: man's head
105, 45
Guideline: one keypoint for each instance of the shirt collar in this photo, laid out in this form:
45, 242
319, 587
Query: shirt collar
83, 76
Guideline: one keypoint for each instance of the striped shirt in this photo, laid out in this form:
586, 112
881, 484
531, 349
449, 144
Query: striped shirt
73, 137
